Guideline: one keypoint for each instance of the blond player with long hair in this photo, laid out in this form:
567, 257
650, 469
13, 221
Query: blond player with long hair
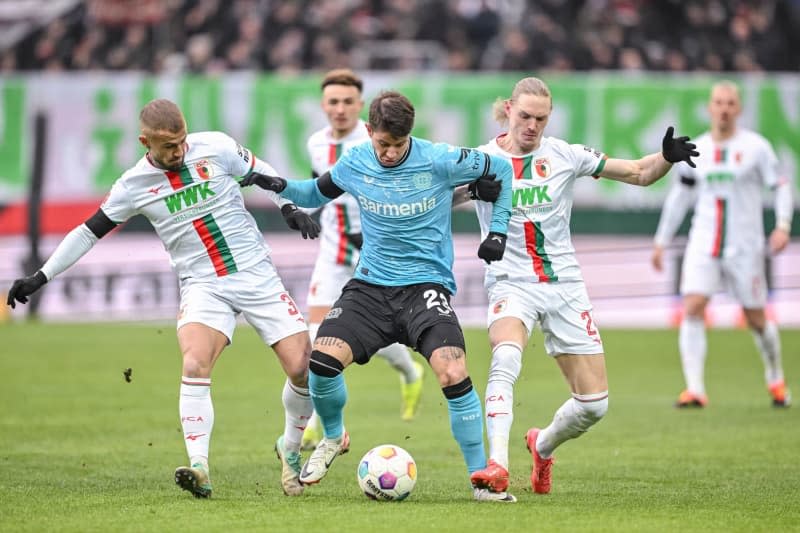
539, 281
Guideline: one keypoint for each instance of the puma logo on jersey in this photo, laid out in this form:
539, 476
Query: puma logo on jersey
188, 197
530, 196
155, 190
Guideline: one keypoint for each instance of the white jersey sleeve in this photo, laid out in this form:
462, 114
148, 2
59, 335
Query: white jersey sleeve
118, 204
678, 202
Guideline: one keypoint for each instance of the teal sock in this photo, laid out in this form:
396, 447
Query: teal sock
466, 423
329, 395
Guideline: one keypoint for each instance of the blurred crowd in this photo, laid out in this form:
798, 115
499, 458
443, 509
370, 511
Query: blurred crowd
209, 36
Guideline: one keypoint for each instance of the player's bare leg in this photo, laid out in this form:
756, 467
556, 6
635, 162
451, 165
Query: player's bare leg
587, 380
201, 346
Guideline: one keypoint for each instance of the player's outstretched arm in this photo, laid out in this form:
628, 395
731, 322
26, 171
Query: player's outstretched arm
651, 168
305, 193
74, 246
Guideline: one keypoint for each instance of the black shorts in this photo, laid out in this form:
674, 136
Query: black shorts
369, 317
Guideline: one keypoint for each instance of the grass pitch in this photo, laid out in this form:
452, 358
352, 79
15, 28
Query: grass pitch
82, 449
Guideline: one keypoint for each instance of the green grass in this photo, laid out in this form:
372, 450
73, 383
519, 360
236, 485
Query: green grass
82, 450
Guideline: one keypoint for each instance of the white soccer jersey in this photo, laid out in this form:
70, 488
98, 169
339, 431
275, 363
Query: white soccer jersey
539, 246
198, 211
340, 216
728, 181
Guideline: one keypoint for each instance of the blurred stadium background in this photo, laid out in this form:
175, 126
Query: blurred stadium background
73, 75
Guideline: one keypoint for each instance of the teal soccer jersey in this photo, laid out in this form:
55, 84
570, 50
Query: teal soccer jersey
406, 208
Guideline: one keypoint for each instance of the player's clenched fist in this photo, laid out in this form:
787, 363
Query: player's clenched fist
300, 221
493, 247
24, 287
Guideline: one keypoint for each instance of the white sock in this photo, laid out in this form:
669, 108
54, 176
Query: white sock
499, 399
692, 344
399, 357
197, 417
573, 419
769, 346
298, 408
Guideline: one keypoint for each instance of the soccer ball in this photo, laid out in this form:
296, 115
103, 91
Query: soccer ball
387, 472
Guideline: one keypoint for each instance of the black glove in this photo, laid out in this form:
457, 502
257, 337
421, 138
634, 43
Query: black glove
24, 287
676, 150
356, 239
299, 220
493, 247
269, 183
486, 188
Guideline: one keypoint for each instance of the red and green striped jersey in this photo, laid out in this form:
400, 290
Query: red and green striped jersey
197, 210
539, 246
727, 192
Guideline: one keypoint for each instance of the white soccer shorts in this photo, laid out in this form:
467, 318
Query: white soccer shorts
257, 293
743, 275
562, 310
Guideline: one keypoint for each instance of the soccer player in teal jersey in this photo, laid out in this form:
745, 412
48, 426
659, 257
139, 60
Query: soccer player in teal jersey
403, 282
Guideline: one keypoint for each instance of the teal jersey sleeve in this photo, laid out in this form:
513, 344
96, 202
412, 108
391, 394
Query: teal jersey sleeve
464, 165
304, 193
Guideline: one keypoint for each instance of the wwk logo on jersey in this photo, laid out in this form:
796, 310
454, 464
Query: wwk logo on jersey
189, 197
536, 195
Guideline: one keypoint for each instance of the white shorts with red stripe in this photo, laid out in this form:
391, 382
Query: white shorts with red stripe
742, 274
562, 310
257, 293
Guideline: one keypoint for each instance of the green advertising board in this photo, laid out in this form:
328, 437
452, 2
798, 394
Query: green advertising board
92, 120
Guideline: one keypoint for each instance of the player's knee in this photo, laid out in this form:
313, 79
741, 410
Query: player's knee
458, 389
450, 367
506, 362
590, 408
323, 364
196, 367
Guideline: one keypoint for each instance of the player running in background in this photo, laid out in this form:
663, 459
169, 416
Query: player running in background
403, 282
188, 188
340, 238
726, 241
539, 280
